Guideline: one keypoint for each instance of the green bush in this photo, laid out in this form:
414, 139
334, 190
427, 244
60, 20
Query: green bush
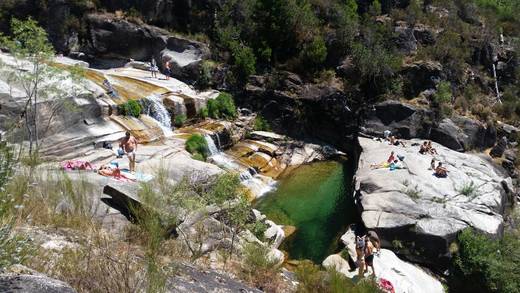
197, 146
130, 108
244, 62
204, 113
261, 124
179, 120
314, 53
222, 107
443, 94
482, 264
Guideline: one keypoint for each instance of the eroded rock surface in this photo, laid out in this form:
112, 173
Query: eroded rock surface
20, 283
424, 213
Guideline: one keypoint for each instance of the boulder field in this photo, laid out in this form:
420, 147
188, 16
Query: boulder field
420, 215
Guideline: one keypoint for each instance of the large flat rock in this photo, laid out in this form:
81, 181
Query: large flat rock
420, 213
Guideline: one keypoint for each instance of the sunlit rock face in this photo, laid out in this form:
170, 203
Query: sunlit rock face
425, 213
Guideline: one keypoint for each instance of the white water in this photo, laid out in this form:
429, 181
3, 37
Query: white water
154, 107
258, 184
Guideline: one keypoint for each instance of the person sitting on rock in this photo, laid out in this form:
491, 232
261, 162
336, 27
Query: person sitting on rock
168, 69
391, 158
369, 256
441, 171
432, 164
431, 149
360, 255
424, 148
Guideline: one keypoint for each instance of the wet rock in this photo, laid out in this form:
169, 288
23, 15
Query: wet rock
422, 212
32, 284
498, 150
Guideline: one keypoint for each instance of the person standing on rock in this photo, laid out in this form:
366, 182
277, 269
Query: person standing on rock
168, 69
129, 146
369, 256
153, 68
374, 238
360, 255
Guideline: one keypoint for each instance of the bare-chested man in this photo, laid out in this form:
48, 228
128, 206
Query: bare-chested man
129, 146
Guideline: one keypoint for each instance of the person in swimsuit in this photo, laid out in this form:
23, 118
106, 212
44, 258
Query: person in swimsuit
360, 255
129, 146
441, 171
369, 255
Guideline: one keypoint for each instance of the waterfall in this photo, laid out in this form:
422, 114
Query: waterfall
258, 184
213, 150
154, 107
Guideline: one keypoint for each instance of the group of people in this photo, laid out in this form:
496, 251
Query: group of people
167, 68
427, 148
366, 247
439, 170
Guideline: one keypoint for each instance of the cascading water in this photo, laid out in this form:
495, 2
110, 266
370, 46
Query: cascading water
258, 184
154, 107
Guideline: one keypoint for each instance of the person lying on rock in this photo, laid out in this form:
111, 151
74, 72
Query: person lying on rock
396, 142
386, 164
129, 146
441, 171
431, 149
369, 256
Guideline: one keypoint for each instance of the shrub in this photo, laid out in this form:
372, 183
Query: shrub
204, 112
261, 124
14, 249
482, 264
259, 269
222, 107
197, 146
469, 189
244, 62
130, 108
443, 94
314, 53
179, 120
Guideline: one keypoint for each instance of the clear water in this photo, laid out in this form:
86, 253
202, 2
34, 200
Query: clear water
316, 199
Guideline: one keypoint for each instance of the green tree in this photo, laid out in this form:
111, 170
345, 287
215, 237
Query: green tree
29, 42
32, 69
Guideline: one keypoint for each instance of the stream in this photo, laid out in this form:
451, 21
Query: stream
315, 198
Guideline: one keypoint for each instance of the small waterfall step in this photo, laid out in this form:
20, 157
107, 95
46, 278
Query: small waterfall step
154, 107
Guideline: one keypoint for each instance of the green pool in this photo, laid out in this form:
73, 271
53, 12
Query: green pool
316, 199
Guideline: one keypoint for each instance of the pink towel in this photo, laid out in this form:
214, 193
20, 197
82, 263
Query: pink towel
77, 165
